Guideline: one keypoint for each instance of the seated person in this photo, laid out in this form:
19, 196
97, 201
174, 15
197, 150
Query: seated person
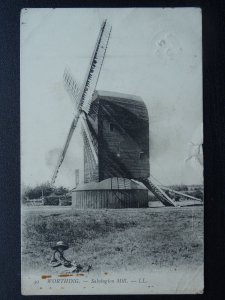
58, 258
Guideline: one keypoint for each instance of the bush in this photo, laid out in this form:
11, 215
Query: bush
44, 189
198, 194
51, 200
24, 193
180, 187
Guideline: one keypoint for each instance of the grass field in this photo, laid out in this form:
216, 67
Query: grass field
128, 239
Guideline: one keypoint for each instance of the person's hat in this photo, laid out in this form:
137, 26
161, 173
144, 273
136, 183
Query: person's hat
60, 244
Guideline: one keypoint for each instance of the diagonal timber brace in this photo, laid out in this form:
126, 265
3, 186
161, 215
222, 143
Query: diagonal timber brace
66, 145
181, 194
158, 192
88, 134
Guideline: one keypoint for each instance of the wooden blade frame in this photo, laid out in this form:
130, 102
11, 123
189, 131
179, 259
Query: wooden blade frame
95, 66
72, 87
88, 134
85, 96
63, 153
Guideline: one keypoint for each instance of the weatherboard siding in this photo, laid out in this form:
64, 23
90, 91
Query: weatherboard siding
98, 199
121, 148
118, 149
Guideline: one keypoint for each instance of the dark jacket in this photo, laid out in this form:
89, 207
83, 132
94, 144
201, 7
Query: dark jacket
58, 259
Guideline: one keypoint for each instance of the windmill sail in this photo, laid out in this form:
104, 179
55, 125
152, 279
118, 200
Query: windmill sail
95, 65
84, 96
66, 145
89, 137
72, 87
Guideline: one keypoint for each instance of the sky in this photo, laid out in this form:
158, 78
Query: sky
153, 53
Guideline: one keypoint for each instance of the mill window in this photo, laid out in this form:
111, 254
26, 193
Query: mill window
111, 127
141, 155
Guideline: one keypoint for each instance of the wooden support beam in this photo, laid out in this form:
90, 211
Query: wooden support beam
88, 134
158, 192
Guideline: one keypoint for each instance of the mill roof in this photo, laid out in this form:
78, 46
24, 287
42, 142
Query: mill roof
116, 95
132, 103
114, 183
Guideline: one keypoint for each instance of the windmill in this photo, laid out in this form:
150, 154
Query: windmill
115, 128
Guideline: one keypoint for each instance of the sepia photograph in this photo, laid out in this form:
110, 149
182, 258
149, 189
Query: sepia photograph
112, 188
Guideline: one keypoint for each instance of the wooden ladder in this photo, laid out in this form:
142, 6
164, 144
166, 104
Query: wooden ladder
158, 192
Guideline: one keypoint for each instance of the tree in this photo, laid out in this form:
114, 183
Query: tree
25, 190
44, 189
180, 187
61, 190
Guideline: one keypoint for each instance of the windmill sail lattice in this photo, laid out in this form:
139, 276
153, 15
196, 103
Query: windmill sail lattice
95, 65
72, 87
84, 96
